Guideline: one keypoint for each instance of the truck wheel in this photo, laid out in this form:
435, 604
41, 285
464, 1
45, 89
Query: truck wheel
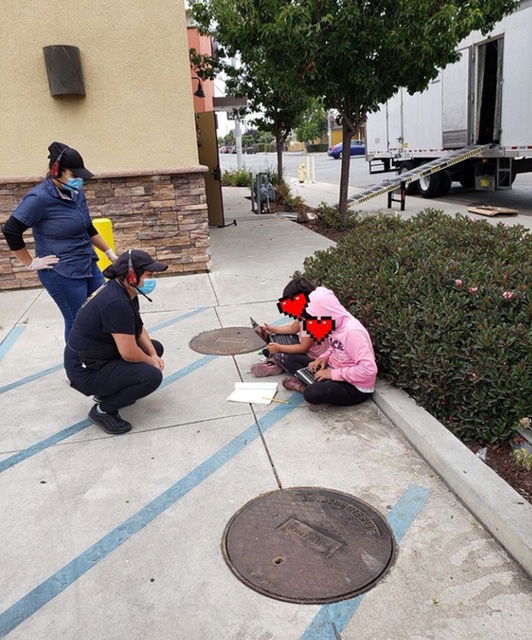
445, 183
429, 186
412, 188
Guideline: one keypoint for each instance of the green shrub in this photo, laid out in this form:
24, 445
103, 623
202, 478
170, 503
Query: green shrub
316, 148
447, 302
236, 178
288, 201
331, 217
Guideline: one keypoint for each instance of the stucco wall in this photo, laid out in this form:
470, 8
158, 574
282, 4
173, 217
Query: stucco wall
138, 111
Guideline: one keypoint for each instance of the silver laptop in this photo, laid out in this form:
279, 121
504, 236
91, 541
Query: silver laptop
288, 338
305, 375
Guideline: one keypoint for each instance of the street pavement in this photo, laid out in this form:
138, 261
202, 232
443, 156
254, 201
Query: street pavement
327, 171
120, 537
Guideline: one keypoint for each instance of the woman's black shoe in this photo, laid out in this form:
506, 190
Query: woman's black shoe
109, 422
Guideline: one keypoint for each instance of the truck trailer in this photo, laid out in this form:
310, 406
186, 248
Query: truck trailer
481, 102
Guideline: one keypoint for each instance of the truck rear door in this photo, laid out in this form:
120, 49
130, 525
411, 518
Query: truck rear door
456, 100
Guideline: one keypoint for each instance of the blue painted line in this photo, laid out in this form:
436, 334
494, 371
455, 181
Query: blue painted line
337, 615
406, 509
197, 364
185, 316
34, 376
43, 444
56, 367
10, 339
79, 426
59, 581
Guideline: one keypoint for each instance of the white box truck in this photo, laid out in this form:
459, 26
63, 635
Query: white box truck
483, 99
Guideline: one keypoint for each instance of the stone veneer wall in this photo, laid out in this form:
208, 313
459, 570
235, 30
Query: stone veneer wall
163, 213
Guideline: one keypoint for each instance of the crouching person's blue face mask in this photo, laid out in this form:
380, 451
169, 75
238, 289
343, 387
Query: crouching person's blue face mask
148, 286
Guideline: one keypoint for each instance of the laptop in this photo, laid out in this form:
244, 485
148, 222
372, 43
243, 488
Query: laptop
305, 375
288, 338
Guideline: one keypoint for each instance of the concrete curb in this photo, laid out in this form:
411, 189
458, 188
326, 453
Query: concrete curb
505, 513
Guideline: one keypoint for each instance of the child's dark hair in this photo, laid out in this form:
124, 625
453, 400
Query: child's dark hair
298, 285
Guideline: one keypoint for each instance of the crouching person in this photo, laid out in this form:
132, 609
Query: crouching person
109, 353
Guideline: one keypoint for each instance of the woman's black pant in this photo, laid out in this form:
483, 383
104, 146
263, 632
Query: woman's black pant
341, 394
118, 383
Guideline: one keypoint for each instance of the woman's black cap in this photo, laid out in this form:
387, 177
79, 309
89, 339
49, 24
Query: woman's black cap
71, 159
141, 261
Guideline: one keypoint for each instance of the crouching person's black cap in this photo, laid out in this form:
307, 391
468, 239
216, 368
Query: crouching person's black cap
140, 260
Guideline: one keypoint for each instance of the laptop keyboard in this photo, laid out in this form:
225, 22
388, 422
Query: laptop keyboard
305, 375
285, 339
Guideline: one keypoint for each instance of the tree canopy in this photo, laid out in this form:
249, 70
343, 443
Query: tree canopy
270, 91
354, 54
313, 123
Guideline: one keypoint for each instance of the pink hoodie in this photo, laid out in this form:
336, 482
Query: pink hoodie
350, 353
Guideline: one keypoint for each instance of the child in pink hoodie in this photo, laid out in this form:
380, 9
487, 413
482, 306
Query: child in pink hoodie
346, 372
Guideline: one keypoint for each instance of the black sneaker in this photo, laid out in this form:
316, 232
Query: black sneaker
111, 423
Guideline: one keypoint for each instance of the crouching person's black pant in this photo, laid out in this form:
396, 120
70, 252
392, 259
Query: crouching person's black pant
117, 383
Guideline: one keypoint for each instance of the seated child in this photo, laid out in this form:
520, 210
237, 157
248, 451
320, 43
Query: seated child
346, 372
280, 354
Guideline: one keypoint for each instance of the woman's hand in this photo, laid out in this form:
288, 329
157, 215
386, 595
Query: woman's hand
43, 263
323, 374
316, 365
273, 347
157, 362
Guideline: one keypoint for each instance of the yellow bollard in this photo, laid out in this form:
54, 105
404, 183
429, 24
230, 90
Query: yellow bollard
302, 173
104, 227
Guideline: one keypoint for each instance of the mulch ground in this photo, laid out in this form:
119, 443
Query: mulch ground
499, 457
324, 230
500, 460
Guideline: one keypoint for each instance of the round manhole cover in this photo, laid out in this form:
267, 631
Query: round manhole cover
227, 342
308, 545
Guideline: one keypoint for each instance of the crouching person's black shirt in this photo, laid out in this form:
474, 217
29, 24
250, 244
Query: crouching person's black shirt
109, 310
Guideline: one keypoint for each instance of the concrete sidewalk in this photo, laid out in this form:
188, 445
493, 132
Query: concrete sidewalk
317, 192
119, 537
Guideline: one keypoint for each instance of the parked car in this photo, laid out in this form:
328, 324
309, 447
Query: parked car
357, 148
233, 149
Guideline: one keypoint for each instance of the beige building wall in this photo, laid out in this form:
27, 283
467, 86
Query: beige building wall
138, 111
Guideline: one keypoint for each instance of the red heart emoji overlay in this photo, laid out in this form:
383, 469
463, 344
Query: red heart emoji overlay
293, 306
319, 328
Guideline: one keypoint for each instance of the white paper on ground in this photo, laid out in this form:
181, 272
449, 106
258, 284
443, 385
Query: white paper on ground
256, 392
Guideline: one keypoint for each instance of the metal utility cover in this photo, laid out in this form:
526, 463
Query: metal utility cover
308, 545
227, 342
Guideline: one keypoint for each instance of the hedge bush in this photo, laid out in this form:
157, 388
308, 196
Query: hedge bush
331, 217
236, 178
316, 148
448, 304
289, 202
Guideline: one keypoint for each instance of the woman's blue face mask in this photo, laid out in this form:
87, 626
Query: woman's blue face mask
74, 184
148, 286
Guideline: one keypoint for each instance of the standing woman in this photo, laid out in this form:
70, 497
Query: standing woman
57, 212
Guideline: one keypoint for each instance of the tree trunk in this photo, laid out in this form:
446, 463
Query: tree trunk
279, 141
344, 173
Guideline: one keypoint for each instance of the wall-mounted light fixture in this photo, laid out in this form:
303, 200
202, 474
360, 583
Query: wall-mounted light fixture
63, 67
199, 91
